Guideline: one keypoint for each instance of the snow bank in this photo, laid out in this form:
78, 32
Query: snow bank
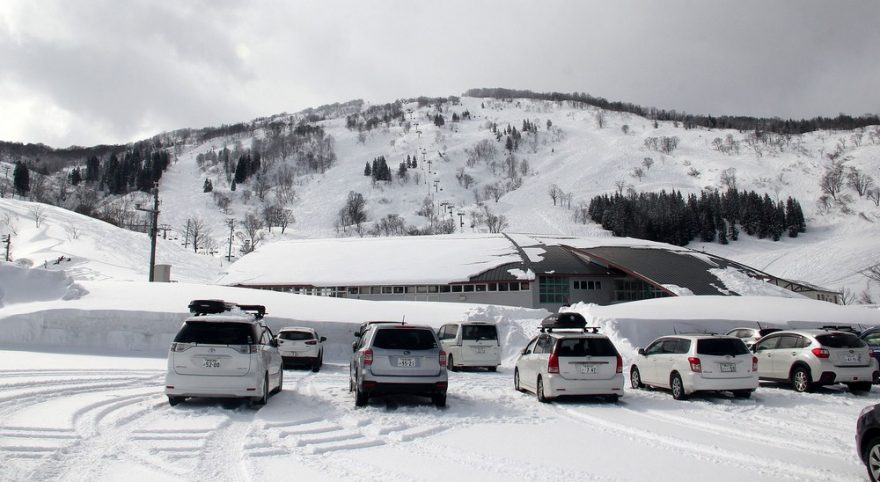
635, 324
22, 285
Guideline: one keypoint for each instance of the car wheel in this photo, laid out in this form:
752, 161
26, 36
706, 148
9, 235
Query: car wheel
872, 459
539, 391
516, 380
173, 400
742, 393
264, 398
859, 387
360, 398
800, 380
677, 387
635, 378
450, 363
493, 369
439, 399
280, 382
317, 364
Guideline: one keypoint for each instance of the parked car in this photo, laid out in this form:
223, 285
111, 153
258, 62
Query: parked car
568, 358
750, 336
810, 358
686, 364
470, 344
398, 359
868, 440
224, 350
301, 346
871, 337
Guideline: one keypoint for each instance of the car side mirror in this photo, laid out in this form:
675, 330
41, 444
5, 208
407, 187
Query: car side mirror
323, 339
524, 351
354, 347
642, 352
273, 342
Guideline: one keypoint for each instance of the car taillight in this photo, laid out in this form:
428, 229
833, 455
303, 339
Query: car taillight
619, 364
178, 347
695, 364
312, 342
368, 357
553, 363
820, 352
442, 358
754, 363
245, 349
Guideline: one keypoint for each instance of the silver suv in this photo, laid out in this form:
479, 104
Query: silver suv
810, 358
396, 359
224, 350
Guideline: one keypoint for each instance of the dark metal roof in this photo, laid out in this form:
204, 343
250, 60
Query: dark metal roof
686, 269
559, 260
499, 273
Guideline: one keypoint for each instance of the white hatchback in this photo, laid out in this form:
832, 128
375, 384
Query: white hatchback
224, 351
301, 345
687, 364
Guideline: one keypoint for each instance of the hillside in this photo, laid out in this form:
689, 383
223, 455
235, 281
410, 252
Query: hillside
582, 150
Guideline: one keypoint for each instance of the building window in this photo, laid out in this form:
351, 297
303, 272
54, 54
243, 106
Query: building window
514, 286
480, 287
398, 290
421, 289
444, 289
432, 289
353, 290
503, 287
632, 290
468, 288
386, 290
524, 286
493, 286
456, 288
553, 289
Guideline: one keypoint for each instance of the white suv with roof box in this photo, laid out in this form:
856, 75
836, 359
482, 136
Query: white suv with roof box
810, 358
225, 350
398, 359
471, 344
569, 359
687, 364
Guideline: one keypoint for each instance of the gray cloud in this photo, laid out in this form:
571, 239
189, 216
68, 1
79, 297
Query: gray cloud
126, 69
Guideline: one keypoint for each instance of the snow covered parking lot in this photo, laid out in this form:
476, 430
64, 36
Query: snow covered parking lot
85, 417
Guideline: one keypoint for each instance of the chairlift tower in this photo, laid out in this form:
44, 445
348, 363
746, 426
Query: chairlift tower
154, 228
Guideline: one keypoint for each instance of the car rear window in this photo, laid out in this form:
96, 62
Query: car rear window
214, 333
840, 340
721, 346
404, 339
585, 346
479, 332
766, 331
295, 335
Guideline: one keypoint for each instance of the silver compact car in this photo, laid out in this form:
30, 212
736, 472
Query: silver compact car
811, 358
224, 351
398, 359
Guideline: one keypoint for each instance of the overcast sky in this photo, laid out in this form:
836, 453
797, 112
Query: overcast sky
109, 71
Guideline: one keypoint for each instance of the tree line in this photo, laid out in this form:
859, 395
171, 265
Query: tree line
742, 123
675, 219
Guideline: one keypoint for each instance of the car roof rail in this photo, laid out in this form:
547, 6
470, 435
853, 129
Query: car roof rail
214, 307
846, 328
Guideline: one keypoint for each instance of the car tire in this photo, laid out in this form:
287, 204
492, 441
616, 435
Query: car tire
264, 398
677, 387
800, 380
635, 377
318, 362
516, 385
742, 393
439, 399
280, 382
872, 459
360, 398
174, 400
539, 391
859, 387
493, 369
450, 363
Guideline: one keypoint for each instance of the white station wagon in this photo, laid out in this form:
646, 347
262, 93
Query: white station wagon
471, 344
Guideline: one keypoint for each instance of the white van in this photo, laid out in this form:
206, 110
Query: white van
471, 344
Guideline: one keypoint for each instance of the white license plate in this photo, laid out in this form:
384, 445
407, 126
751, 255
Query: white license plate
728, 367
589, 369
406, 362
851, 358
480, 350
212, 363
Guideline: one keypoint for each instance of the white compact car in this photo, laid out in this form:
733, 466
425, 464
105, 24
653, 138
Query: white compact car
694, 363
301, 345
471, 344
569, 359
224, 350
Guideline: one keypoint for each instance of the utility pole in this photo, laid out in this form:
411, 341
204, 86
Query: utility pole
154, 228
8, 241
461, 221
231, 223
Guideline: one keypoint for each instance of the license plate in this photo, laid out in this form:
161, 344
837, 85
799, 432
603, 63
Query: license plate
212, 363
589, 369
480, 350
728, 367
406, 362
851, 358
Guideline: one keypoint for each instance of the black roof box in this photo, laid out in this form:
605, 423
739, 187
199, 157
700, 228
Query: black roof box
569, 320
213, 307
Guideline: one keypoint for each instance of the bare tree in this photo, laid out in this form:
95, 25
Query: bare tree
261, 185
638, 172
198, 232
620, 184
353, 212
647, 163
859, 181
832, 181
38, 212
285, 218
554, 193
600, 119
493, 190
625, 129
728, 178
495, 223
872, 272
253, 232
